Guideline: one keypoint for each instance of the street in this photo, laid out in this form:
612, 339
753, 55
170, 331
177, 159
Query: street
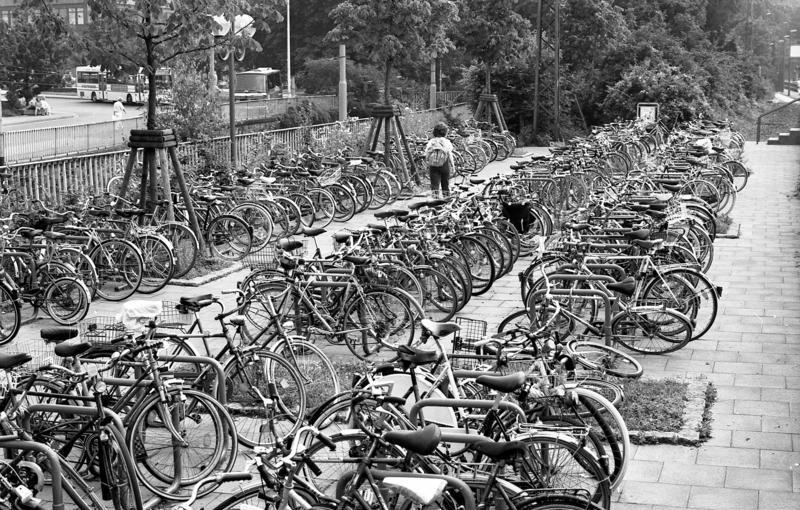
67, 111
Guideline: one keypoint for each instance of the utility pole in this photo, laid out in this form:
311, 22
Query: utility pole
547, 77
288, 49
342, 83
232, 89
433, 82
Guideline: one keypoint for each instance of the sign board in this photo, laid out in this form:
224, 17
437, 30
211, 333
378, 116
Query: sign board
647, 112
794, 51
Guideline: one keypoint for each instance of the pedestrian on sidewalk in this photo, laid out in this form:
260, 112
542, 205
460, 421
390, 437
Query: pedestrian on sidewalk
439, 158
119, 110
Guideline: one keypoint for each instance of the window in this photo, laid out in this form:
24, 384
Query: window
80, 16
6, 16
72, 16
88, 77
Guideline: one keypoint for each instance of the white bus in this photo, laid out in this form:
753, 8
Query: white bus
99, 85
259, 83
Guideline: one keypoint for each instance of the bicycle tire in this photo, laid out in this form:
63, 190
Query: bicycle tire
597, 356
293, 214
306, 206
314, 366
382, 191
441, 297
480, 262
84, 267
324, 206
119, 268
229, 237
185, 246
687, 291
651, 331
259, 219
376, 318
344, 200
66, 300
158, 258
10, 320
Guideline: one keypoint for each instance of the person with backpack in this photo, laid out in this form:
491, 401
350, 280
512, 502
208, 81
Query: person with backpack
439, 158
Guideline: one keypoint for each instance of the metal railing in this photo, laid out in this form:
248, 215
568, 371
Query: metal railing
262, 109
53, 180
760, 122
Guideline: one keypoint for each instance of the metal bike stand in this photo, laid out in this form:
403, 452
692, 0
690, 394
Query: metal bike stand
52, 461
460, 485
590, 293
414, 413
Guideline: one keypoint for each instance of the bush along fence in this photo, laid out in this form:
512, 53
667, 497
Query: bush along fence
54, 181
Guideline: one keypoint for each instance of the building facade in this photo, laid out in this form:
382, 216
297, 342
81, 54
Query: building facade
75, 12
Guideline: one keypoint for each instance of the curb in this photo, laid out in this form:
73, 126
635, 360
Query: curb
689, 435
732, 233
210, 277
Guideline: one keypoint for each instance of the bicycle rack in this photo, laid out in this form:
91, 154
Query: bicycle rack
597, 267
463, 488
414, 412
590, 293
52, 461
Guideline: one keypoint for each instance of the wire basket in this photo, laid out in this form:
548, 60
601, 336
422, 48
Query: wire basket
41, 353
265, 258
676, 213
101, 330
174, 316
464, 341
330, 177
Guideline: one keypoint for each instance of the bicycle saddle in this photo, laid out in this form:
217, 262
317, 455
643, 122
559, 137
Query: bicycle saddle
641, 234
625, 287
423, 441
647, 245
658, 206
9, 361
283, 174
416, 205
499, 450
356, 260
436, 203
366, 159
375, 226
51, 220
129, 213
58, 334
289, 245
674, 188
99, 213
245, 181
54, 235
66, 350
668, 181
29, 233
502, 383
476, 181
342, 237
195, 303
412, 356
227, 188
399, 213
302, 173
382, 215
578, 227
312, 232
439, 329
638, 207
408, 218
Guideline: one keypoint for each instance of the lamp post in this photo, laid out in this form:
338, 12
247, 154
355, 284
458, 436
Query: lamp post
288, 49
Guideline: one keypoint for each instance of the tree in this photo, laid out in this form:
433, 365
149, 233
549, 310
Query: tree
151, 33
394, 32
493, 32
195, 112
35, 47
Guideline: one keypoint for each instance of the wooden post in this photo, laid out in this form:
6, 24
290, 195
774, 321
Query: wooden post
387, 117
342, 83
490, 106
433, 83
165, 184
126, 177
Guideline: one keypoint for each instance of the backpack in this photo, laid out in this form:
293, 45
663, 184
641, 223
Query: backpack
436, 156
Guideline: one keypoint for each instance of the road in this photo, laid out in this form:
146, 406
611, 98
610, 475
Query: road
68, 111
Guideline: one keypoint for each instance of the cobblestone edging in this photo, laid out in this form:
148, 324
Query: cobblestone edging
207, 278
689, 434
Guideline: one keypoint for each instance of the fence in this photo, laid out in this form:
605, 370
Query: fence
53, 180
41, 143
266, 108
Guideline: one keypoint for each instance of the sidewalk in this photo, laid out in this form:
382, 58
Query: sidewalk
28, 119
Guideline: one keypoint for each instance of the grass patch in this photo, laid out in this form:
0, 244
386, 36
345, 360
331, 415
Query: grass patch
745, 119
654, 405
705, 423
724, 222
203, 267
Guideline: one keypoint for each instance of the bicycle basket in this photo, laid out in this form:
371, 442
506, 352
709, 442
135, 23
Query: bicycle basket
265, 258
41, 353
330, 177
464, 341
101, 330
174, 316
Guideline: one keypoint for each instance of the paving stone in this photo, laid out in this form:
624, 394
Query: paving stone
761, 407
737, 368
722, 498
693, 474
776, 459
766, 440
762, 381
719, 437
666, 453
737, 422
781, 348
780, 424
715, 355
643, 470
780, 394
723, 456
778, 500
731, 392
649, 493
761, 479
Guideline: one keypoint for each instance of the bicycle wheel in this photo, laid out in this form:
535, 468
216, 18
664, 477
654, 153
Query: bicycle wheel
66, 300
206, 441
119, 269
318, 374
293, 214
184, 244
259, 218
344, 200
687, 291
159, 263
596, 356
480, 262
517, 320
361, 192
739, 172
441, 298
449, 269
9, 316
651, 331
84, 267
252, 376
229, 237
324, 206
382, 192
281, 224
306, 206
375, 323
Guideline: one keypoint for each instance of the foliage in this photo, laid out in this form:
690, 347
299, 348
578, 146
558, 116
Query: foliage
707, 419
343, 135
654, 404
305, 113
394, 32
151, 33
195, 111
321, 76
34, 46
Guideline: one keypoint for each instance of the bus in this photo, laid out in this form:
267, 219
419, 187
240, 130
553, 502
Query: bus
259, 83
100, 85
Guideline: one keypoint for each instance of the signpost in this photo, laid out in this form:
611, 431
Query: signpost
647, 112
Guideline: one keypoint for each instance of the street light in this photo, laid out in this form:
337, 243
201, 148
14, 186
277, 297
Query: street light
288, 49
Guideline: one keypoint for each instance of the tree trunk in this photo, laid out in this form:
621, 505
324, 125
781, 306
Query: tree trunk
387, 96
151, 84
488, 85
